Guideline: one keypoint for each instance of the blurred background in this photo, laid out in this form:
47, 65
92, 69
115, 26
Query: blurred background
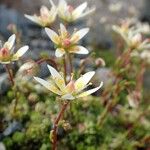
30, 128
108, 13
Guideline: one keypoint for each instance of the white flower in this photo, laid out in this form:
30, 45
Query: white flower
134, 99
143, 28
143, 55
46, 17
115, 7
66, 42
69, 14
73, 90
132, 36
7, 54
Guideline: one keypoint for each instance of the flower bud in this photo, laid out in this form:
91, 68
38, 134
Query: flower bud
99, 62
28, 69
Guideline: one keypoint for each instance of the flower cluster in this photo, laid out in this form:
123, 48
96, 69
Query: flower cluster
133, 35
7, 54
66, 12
70, 14
142, 55
46, 17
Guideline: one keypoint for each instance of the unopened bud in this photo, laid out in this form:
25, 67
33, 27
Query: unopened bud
82, 62
30, 68
99, 62
4, 52
33, 98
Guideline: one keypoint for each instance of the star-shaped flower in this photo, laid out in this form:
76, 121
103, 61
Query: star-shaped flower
73, 90
46, 17
67, 43
132, 36
69, 14
7, 54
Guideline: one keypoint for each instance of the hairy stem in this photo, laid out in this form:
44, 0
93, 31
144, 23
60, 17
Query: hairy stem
65, 68
9, 71
70, 62
140, 77
40, 61
61, 113
10, 75
64, 106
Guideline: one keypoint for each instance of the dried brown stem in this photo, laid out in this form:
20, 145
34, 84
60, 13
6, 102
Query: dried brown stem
40, 61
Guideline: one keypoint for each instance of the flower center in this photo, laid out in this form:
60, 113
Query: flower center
4, 52
71, 86
67, 42
70, 8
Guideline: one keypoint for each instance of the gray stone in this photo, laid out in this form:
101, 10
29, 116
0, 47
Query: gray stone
147, 80
105, 75
2, 146
4, 83
145, 11
14, 126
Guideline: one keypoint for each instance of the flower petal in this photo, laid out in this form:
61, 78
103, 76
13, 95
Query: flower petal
81, 83
21, 51
34, 18
90, 91
52, 3
57, 78
62, 4
52, 35
119, 31
49, 85
79, 50
79, 10
44, 11
63, 31
79, 35
68, 97
90, 11
59, 52
10, 43
5, 62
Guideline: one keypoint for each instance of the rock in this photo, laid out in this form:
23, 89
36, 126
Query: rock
145, 12
147, 80
4, 83
103, 74
14, 126
2, 146
8, 16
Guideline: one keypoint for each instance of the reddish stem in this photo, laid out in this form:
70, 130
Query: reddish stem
70, 62
40, 61
61, 113
13, 83
65, 68
10, 75
56, 125
140, 77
